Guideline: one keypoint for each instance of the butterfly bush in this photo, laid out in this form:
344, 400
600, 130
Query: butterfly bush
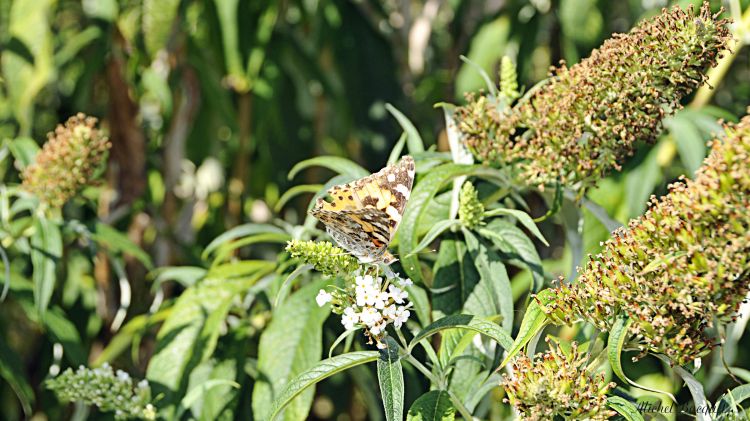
110, 391
557, 384
367, 301
68, 161
680, 267
587, 118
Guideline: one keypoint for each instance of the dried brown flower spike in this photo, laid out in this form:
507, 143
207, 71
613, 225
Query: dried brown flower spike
67, 162
557, 384
587, 118
681, 266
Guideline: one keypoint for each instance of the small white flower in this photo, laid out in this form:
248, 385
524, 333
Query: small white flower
390, 311
359, 295
364, 281
382, 300
349, 318
381, 345
397, 294
403, 283
369, 296
378, 328
323, 298
370, 316
402, 315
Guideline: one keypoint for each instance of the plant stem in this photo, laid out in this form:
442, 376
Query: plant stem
465, 413
716, 75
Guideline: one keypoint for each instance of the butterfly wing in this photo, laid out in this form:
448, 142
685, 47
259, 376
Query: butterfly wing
362, 232
369, 209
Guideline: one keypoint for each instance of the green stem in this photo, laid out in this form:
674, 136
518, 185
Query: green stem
465, 413
716, 75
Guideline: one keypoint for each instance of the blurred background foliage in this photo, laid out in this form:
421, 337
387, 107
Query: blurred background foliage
210, 104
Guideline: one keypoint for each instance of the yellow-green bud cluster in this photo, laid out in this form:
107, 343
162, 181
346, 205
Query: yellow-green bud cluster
470, 209
109, 391
324, 257
587, 118
68, 161
681, 266
557, 384
508, 81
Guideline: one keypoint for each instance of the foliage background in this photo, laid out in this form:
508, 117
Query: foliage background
210, 104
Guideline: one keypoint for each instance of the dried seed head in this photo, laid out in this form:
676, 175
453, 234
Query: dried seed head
557, 384
586, 119
681, 266
68, 161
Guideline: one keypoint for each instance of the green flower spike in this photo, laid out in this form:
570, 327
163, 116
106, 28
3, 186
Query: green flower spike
324, 257
109, 391
470, 209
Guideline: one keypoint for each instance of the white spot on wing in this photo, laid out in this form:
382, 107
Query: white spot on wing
391, 178
403, 190
393, 213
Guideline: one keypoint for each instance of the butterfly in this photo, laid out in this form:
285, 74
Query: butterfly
363, 215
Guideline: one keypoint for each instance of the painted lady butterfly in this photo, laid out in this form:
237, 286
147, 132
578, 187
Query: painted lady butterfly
363, 215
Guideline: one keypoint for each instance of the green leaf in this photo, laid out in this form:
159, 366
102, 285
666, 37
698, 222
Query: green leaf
291, 344
492, 295
24, 150
336, 164
523, 218
62, 330
696, 391
625, 408
296, 191
514, 243
434, 405
434, 232
465, 321
420, 200
414, 141
534, 320
615, 343
189, 336
186, 276
688, 138
26, 75
488, 45
454, 275
200, 390
226, 250
10, 370
418, 296
117, 242
46, 249
391, 379
397, 149
159, 18
226, 11
317, 373
731, 400
238, 232
641, 181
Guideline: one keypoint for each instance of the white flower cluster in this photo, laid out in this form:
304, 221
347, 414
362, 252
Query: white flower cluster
374, 305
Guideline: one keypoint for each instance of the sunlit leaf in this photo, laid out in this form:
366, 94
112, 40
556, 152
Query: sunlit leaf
317, 373
391, 380
434, 405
